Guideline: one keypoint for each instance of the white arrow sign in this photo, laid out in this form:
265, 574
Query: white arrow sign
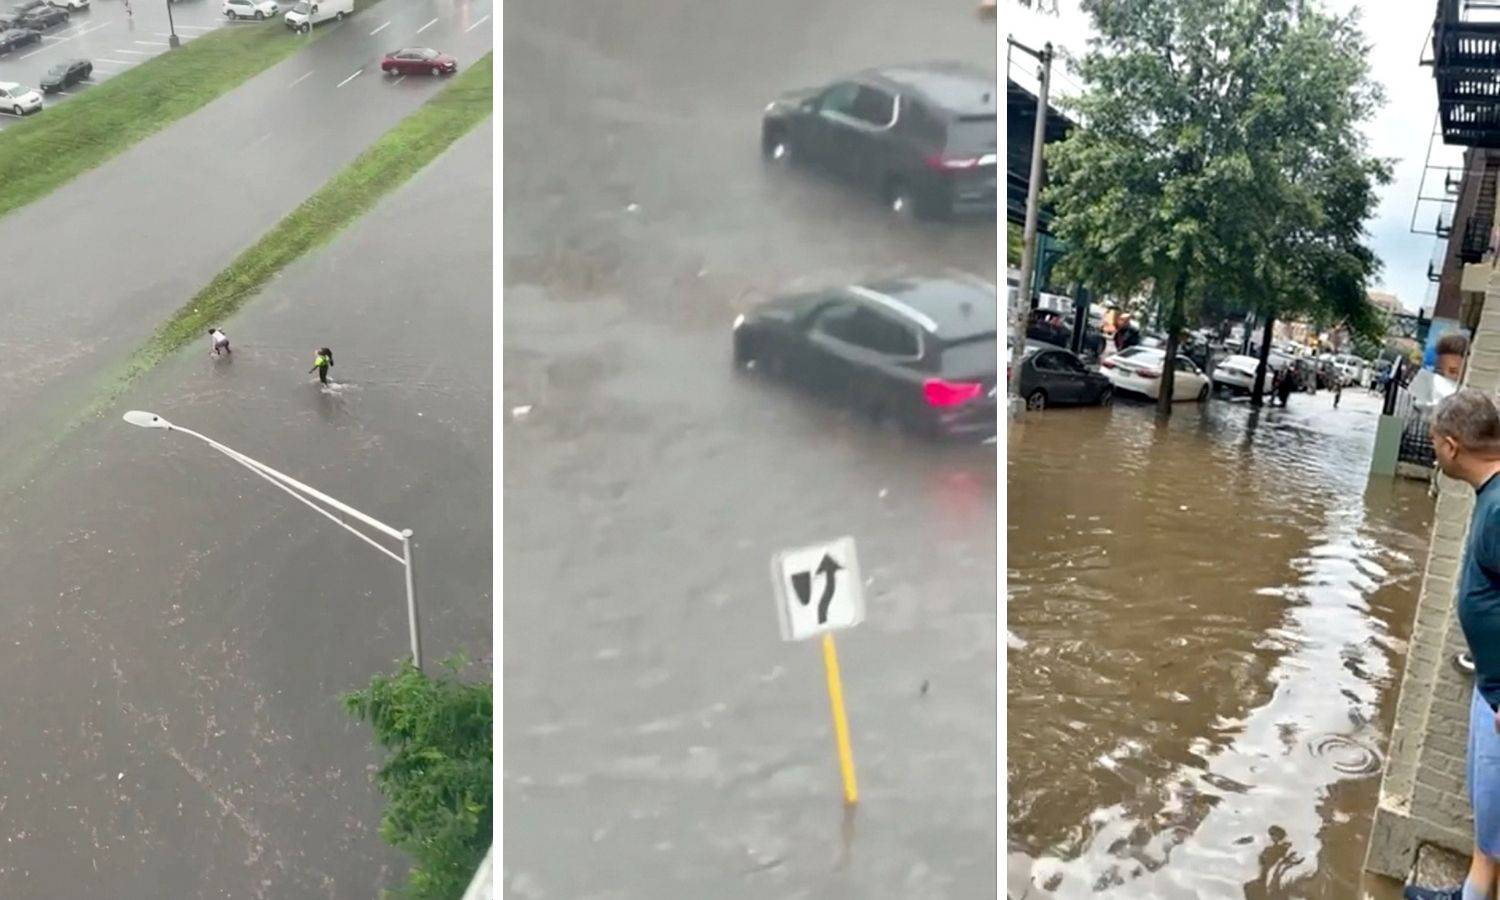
819, 588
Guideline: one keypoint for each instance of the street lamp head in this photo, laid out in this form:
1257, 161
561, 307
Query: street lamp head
142, 419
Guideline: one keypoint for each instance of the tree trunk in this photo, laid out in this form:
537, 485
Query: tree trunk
1257, 394
1169, 364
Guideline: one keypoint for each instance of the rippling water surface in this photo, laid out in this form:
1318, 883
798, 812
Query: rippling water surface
1207, 629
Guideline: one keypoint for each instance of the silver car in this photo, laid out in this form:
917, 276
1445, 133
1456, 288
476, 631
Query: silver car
18, 99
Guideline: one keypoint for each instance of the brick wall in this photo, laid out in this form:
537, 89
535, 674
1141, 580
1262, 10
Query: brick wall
1422, 795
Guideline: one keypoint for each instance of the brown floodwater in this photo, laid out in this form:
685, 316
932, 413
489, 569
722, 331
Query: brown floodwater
1207, 626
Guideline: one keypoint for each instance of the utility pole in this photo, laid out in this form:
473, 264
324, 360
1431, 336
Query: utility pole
1033, 203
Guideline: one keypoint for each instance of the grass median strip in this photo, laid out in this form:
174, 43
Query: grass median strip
62, 142
389, 162
399, 154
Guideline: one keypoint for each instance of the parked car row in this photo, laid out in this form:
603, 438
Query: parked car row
37, 16
20, 100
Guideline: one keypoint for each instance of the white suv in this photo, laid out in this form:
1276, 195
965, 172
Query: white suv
250, 9
18, 98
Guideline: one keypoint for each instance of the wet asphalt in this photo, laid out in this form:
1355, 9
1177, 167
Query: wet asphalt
98, 264
178, 631
660, 739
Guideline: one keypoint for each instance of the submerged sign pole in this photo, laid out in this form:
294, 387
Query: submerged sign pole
819, 590
840, 721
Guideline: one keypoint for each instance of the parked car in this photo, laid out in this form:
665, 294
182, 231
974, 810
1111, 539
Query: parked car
69, 4
303, 16
1052, 376
1137, 370
12, 17
418, 61
250, 9
921, 138
917, 353
1048, 328
1236, 374
18, 99
66, 74
16, 38
43, 18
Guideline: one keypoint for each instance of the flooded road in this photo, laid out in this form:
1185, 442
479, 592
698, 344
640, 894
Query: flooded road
656, 726
177, 632
1207, 628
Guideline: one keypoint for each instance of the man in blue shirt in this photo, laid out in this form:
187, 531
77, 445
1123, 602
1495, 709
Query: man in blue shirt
1466, 441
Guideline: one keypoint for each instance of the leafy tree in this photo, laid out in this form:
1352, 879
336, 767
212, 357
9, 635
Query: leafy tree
1015, 244
436, 779
1222, 158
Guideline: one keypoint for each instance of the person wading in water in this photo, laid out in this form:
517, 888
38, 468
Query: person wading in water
322, 363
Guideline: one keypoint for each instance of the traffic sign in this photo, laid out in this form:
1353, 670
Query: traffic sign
818, 589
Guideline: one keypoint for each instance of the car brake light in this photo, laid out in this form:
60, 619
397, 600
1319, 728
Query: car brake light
948, 163
1150, 373
942, 393
1107, 364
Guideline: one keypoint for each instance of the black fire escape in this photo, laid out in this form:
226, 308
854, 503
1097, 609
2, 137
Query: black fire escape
1466, 64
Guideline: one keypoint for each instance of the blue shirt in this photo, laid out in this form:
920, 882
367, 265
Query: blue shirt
1479, 591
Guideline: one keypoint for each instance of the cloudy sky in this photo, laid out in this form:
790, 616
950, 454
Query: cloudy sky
1397, 33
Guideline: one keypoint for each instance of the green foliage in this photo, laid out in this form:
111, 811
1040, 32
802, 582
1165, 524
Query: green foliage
1222, 157
437, 778
1015, 244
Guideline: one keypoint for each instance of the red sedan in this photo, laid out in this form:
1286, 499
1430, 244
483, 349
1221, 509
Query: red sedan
414, 60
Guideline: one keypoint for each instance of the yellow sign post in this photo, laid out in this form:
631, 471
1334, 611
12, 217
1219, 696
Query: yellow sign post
840, 721
820, 589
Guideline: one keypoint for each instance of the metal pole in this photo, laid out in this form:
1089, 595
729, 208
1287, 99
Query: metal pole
172, 27
411, 601
1033, 203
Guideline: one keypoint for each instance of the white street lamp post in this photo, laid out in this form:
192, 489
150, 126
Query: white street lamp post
301, 493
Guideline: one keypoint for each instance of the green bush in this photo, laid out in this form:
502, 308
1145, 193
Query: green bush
437, 776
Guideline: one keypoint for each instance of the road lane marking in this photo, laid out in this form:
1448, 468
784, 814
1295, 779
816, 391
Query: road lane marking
427, 26
380, 29
117, 62
35, 52
399, 80
477, 24
300, 80
195, 28
131, 52
350, 78
153, 43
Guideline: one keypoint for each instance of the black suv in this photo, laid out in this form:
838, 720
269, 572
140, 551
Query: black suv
43, 18
921, 136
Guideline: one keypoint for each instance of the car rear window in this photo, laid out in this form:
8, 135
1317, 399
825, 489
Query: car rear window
972, 134
971, 357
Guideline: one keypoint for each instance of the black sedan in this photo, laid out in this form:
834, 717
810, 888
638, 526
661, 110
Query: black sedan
921, 138
16, 38
66, 74
1051, 376
915, 353
43, 18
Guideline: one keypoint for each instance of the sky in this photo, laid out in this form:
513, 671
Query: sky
1400, 132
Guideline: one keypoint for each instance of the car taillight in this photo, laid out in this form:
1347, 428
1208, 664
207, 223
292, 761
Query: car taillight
943, 163
1150, 373
1107, 364
942, 393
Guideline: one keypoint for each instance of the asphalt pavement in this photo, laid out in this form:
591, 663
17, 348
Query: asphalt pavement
146, 230
656, 728
177, 630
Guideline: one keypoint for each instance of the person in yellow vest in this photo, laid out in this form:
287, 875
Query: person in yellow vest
322, 363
